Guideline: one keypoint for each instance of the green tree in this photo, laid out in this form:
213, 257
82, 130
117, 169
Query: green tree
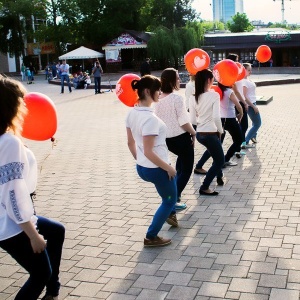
240, 23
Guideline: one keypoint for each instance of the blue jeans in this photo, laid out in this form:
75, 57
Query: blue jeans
215, 150
64, 78
182, 146
168, 192
256, 123
97, 84
43, 268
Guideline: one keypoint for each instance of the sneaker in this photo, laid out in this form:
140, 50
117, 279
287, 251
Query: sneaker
172, 220
180, 206
243, 146
200, 171
247, 146
254, 140
230, 163
49, 297
220, 181
240, 154
156, 242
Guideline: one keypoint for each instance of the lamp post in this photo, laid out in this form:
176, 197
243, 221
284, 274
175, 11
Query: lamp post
282, 11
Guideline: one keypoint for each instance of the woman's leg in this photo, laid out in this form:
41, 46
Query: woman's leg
167, 190
256, 123
54, 233
37, 265
234, 129
214, 146
182, 147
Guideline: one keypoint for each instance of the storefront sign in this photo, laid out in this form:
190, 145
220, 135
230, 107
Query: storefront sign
40, 48
278, 37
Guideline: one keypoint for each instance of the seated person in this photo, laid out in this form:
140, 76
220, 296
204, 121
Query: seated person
82, 80
75, 81
88, 81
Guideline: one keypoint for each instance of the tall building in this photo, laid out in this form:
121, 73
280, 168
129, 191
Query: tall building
223, 10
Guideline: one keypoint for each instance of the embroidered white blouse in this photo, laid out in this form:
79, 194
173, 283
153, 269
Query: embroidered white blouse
171, 109
18, 177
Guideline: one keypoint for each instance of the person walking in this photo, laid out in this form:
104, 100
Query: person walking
180, 132
249, 88
64, 70
97, 71
145, 67
23, 72
35, 242
230, 122
205, 113
146, 138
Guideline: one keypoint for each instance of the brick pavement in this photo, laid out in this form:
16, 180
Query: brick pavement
243, 244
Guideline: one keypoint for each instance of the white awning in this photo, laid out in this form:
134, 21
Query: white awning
81, 53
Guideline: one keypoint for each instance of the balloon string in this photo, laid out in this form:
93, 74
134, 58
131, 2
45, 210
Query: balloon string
54, 143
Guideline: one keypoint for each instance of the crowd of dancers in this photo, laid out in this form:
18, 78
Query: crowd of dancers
162, 121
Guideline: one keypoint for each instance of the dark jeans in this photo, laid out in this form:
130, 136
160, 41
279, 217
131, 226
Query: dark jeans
64, 78
166, 189
182, 147
97, 84
43, 268
233, 127
215, 150
244, 121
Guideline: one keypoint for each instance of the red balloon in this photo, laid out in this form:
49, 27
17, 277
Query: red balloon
40, 123
242, 71
226, 72
263, 53
218, 90
124, 91
196, 60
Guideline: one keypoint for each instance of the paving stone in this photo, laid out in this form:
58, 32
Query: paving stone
213, 289
243, 285
279, 294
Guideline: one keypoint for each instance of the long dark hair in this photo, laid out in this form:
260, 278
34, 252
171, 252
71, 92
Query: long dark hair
12, 109
233, 57
223, 87
168, 80
201, 79
146, 82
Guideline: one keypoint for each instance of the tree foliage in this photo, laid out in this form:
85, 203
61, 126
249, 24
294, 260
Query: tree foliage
240, 23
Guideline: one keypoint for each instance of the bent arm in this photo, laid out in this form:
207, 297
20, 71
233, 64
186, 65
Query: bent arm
131, 143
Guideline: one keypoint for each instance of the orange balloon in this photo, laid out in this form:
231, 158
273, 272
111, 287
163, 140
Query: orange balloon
196, 60
40, 123
226, 72
218, 90
242, 71
263, 53
124, 91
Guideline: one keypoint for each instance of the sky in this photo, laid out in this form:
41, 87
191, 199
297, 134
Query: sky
270, 11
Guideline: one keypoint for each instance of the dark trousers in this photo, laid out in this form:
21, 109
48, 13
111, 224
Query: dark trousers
97, 84
233, 127
43, 268
244, 122
215, 150
182, 146
64, 78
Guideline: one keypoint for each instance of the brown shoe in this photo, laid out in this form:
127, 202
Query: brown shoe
156, 242
200, 171
172, 220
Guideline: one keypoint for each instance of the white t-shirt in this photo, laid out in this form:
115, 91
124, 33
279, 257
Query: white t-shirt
18, 177
250, 90
226, 105
206, 113
239, 87
189, 92
172, 111
143, 122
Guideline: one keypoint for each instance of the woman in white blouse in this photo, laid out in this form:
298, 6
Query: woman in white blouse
146, 138
180, 132
249, 88
35, 242
205, 113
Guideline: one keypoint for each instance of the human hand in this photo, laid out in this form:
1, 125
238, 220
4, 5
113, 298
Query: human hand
256, 109
171, 172
38, 243
193, 140
239, 117
246, 107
